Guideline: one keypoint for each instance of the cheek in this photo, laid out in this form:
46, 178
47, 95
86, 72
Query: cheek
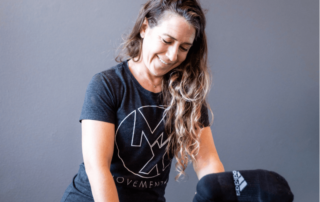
148, 48
182, 57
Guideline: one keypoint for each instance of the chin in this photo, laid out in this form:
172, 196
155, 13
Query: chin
156, 72
159, 72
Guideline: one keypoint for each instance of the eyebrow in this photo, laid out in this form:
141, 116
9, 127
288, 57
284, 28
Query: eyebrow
187, 43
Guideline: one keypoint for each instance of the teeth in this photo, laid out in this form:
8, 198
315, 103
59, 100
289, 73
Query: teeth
162, 61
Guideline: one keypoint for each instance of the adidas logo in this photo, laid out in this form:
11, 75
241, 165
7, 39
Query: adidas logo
239, 182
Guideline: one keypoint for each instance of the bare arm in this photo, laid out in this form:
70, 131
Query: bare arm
97, 147
207, 160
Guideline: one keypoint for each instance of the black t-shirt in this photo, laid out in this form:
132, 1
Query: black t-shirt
140, 165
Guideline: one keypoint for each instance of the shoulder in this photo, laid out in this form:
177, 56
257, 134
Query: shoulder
113, 78
110, 83
114, 74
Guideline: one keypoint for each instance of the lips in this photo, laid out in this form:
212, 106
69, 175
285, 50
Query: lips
162, 61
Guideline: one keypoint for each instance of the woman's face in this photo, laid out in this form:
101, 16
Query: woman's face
166, 45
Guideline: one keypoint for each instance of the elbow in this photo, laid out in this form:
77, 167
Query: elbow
94, 167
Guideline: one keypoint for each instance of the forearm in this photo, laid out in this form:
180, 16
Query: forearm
102, 185
215, 167
207, 160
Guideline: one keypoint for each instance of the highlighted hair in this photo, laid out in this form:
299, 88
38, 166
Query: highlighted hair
184, 88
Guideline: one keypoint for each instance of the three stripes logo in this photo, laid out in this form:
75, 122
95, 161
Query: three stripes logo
239, 182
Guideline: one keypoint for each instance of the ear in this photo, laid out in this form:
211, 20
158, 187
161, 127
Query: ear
144, 27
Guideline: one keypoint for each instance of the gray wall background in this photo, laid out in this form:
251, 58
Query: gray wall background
263, 55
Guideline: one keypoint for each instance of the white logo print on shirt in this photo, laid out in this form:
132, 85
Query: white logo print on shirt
149, 143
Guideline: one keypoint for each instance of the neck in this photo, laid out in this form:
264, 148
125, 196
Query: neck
143, 74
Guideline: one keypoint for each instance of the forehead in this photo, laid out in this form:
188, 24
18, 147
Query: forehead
177, 27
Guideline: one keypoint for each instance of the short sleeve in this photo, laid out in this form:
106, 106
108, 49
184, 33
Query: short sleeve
99, 102
204, 119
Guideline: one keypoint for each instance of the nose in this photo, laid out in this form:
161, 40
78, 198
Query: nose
172, 53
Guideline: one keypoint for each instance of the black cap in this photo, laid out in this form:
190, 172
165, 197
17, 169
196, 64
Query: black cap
243, 186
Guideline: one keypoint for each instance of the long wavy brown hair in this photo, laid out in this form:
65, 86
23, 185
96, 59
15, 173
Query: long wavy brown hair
184, 88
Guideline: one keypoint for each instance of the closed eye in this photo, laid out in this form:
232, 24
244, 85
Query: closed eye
184, 49
167, 42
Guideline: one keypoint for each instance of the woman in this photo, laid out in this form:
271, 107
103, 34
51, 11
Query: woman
146, 110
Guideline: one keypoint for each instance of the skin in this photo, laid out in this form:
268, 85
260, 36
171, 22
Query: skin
168, 42
207, 160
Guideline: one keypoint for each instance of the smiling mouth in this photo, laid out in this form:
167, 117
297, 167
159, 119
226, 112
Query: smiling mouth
162, 60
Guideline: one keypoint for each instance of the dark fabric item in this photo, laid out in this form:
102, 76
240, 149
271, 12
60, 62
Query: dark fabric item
140, 165
79, 189
243, 186
216, 188
108, 92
